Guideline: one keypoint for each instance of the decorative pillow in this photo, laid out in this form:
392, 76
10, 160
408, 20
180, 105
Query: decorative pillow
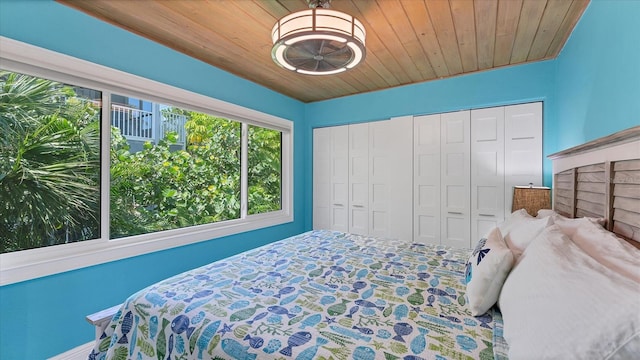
487, 269
520, 229
560, 303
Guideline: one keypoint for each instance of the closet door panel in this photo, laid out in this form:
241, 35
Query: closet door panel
322, 178
339, 178
359, 179
390, 180
426, 175
456, 229
523, 147
379, 178
455, 179
401, 184
487, 170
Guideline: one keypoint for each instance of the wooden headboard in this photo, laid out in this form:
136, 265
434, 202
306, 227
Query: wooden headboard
601, 179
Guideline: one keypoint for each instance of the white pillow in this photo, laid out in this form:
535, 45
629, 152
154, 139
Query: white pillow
487, 269
609, 250
513, 219
520, 229
545, 212
559, 303
569, 226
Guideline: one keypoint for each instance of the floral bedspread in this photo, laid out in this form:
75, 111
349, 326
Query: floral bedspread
318, 295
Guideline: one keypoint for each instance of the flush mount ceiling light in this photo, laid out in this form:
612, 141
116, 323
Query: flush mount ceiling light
318, 41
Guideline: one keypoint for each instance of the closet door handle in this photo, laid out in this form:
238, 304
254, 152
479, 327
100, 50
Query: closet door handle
454, 212
491, 215
338, 205
358, 206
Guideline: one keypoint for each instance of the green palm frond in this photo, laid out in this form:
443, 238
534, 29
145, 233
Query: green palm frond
49, 164
24, 99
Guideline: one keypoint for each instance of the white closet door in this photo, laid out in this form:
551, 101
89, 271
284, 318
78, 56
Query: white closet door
380, 161
487, 170
390, 179
523, 147
455, 179
340, 178
330, 178
359, 178
322, 178
402, 182
426, 178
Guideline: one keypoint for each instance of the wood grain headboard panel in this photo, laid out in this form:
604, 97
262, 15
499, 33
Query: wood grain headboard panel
626, 199
591, 191
564, 193
601, 179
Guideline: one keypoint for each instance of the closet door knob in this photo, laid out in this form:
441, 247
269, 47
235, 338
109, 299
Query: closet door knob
455, 212
491, 215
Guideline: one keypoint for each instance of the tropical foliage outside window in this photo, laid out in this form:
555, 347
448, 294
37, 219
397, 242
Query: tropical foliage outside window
49, 164
171, 169
265, 170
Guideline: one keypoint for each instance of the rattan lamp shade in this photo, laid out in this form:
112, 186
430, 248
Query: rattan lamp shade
531, 198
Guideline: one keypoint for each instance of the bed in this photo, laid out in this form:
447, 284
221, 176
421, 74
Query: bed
319, 294
332, 295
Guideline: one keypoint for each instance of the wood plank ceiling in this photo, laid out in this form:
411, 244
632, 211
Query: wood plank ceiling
408, 41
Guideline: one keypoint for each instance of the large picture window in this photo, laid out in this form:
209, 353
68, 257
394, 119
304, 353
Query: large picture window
106, 165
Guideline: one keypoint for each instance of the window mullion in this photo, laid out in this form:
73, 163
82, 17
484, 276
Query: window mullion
105, 165
244, 171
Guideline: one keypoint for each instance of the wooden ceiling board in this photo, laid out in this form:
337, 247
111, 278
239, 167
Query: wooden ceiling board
389, 67
548, 28
419, 17
530, 17
408, 41
486, 12
506, 28
465, 28
397, 18
440, 14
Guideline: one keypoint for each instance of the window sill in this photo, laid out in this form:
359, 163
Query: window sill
30, 264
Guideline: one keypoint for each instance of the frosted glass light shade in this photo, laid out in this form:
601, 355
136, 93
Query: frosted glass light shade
318, 42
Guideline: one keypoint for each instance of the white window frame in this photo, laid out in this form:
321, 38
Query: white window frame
33, 263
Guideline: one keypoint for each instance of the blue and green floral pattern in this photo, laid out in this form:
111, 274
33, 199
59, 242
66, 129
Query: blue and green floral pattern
318, 295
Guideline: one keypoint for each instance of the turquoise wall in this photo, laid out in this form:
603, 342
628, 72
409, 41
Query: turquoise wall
598, 74
591, 90
44, 317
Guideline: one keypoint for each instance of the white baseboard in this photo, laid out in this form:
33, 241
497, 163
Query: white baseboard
78, 353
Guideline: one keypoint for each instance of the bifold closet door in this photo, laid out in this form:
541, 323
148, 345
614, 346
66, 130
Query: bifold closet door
330, 178
426, 179
358, 143
523, 147
487, 170
455, 179
390, 178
